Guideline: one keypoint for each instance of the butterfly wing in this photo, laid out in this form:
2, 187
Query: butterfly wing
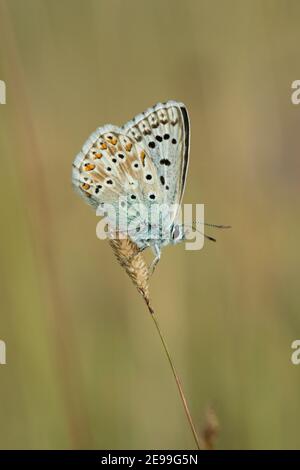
112, 169
144, 162
164, 132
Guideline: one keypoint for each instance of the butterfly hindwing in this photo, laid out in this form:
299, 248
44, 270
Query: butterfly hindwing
112, 167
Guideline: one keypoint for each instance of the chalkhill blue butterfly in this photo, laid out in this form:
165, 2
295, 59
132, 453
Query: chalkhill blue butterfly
135, 175
135, 168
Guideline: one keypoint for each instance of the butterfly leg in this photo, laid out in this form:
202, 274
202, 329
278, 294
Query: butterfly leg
153, 265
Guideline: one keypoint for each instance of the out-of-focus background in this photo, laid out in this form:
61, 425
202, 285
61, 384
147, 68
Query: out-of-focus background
85, 368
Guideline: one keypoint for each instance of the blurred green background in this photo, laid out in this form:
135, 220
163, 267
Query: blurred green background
85, 368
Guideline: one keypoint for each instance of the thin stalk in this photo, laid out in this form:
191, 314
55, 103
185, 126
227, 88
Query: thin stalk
178, 382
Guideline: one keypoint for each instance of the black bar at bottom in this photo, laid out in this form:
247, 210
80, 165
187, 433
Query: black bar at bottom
135, 458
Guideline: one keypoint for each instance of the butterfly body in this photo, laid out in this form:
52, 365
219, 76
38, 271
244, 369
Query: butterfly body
138, 173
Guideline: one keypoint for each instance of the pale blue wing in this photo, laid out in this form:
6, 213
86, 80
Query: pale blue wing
112, 169
163, 131
143, 162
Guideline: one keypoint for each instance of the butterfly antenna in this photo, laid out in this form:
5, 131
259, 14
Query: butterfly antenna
212, 239
212, 225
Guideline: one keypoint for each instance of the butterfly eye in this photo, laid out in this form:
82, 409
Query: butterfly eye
176, 232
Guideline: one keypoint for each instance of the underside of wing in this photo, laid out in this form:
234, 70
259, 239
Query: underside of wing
163, 131
145, 162
112, 169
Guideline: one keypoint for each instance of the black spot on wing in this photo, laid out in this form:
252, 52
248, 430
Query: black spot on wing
165, 161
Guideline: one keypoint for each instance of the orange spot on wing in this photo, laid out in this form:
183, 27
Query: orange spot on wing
143, 156
112, 139
89, 166
128, 147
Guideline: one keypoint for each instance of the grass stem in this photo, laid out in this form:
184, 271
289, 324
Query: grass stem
178, 382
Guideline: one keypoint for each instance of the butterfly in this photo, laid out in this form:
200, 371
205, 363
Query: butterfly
144, 164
